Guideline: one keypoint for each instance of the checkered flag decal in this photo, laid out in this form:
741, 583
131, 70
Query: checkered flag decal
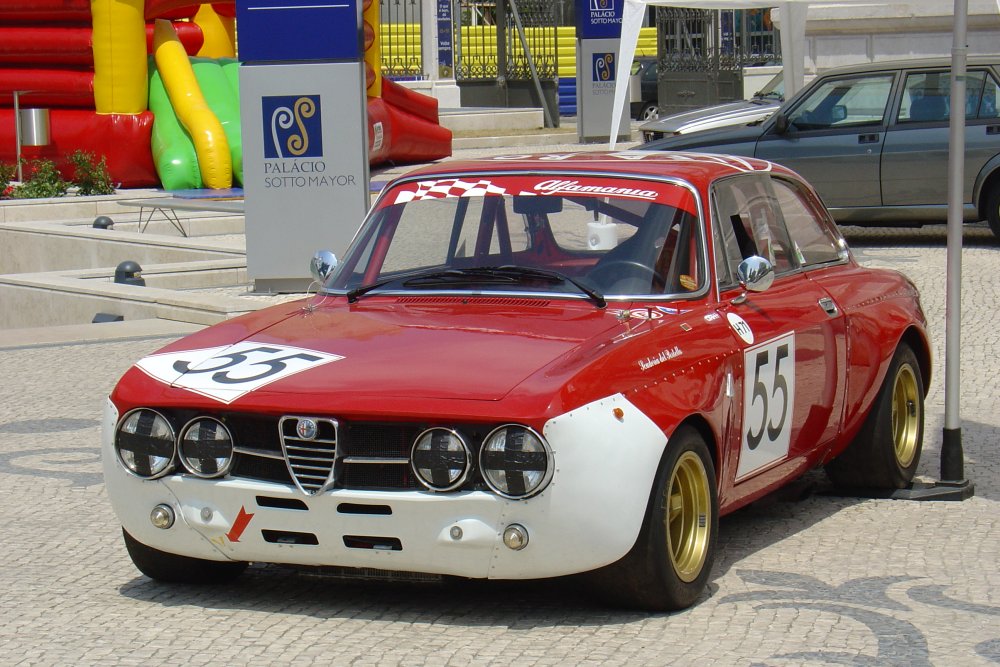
449, 187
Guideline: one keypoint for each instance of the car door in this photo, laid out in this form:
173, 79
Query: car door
790, 387
915, 155
834, 137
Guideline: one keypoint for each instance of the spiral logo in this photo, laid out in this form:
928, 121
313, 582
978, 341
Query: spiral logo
292, 126
604, 67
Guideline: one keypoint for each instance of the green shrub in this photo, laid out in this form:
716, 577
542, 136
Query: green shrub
43, 180
7, 172
90, 177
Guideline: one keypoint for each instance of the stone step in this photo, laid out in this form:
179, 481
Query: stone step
469, 119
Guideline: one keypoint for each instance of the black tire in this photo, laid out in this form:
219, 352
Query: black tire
669, 566
649, 112
175, 569
886, 451
993, 210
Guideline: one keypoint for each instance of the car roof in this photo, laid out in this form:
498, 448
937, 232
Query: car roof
698, 169
910, 63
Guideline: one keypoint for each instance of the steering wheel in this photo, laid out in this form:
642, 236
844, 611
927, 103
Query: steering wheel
624, 268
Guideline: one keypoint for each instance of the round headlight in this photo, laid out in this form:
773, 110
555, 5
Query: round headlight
145, 443
440, 459
206, 447
515, 461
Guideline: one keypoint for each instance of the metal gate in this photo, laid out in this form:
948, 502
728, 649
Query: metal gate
701, 54
506, 56
400, 37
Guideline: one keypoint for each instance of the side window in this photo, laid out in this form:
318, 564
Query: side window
988, 103
844, 103
813, 241
746, 211
925, 97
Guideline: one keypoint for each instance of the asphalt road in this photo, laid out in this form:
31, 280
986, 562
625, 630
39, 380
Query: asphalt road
803, 578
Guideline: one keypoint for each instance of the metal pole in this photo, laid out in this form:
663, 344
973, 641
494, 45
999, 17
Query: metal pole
952, 457
531, 65
17, 133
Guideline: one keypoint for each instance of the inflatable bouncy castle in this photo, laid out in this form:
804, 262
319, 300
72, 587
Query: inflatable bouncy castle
153, 86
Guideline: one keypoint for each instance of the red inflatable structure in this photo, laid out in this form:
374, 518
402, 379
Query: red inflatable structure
46, 55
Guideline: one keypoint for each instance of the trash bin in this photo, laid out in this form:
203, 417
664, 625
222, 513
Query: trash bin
34, 127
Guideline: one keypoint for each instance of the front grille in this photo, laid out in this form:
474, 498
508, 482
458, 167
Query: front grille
310, 458
364, 456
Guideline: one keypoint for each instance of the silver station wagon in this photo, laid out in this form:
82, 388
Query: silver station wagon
873, 140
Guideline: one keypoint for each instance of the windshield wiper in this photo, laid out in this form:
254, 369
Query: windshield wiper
354, 294
485, 274
528, 271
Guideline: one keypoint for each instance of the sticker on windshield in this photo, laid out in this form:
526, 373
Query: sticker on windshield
228, 372
768, 400
449, 187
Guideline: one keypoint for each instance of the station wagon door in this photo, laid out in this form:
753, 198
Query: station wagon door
834, 138
915, 156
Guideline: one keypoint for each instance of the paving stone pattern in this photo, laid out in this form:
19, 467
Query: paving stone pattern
805, 580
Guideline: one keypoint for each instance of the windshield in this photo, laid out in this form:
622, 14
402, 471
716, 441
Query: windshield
573, 235
772, 90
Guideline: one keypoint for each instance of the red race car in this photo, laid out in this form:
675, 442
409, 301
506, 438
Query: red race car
525, 367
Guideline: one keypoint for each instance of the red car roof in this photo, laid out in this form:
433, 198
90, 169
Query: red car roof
699, 169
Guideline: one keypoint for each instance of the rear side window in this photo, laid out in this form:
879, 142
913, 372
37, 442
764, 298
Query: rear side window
988, 101
927, 97
813, 242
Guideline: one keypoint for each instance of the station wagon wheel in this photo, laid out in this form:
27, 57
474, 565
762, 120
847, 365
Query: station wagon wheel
885, 453
669, 565
993, 210
650, 112
172, 568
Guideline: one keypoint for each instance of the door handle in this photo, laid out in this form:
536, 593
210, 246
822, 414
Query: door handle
828, 305
993, 129
868, 138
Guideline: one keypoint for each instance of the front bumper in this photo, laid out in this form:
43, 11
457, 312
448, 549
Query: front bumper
589, 515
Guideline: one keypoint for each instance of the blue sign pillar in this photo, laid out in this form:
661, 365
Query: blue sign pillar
598, 42
305, 134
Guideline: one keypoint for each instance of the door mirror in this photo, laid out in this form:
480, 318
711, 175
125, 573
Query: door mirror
755, 274
780, 123
838, 113
322, 265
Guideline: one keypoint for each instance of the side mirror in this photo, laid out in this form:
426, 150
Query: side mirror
322, 265
780, 123
755, 274
838, 113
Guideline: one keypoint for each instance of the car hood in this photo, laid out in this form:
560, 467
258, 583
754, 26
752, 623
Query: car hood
740, 139
449, 349
733, 113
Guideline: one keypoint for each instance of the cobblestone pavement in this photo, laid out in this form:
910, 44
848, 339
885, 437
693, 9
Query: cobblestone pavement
815, 579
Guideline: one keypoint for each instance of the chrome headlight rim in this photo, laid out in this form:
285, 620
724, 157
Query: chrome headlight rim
549, 463
171, 464
223, 471
466, 472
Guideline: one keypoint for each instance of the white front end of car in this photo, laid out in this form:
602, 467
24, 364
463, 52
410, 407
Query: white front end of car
604, 458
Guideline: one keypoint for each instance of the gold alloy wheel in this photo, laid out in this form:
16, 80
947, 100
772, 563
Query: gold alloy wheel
688, 525
905, 415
